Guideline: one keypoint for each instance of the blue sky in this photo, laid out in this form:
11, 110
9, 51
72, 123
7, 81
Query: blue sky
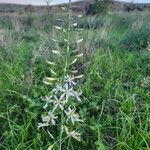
53, 2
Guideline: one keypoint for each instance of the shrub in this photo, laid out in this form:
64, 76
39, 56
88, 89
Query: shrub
27, 21
136, 39
30, 36
5, 22
132, 7
99, 6
91, 23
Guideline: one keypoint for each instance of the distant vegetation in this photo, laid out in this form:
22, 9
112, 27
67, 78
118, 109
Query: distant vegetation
87, 7
116, 83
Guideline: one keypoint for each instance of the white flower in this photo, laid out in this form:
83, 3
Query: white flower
67, 92
146, 82
77, 95
71, 114
58, 103
70, 80
57, 89
47, 100
74, 134
47, 120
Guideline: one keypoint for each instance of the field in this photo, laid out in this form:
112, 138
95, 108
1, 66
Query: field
116, 83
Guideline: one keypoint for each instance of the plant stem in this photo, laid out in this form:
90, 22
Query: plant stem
61, 130
68, 144
68, 40
65, 68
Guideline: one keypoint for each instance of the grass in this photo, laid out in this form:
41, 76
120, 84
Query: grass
115, 104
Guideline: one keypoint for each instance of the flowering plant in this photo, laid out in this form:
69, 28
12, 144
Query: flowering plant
60, 105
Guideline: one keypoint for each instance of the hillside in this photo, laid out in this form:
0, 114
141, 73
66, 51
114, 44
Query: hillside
117, 5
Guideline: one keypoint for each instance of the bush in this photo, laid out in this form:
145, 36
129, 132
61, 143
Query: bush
91, 23
5, 22
99, 6
132, 7
30, 36
27, 21
136, 39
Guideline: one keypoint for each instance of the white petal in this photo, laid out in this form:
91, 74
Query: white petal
79, 41
53, 72
45, 106
54, 40
50, 79
62, 96
79, 55
50, 63
56, 52
47, 83
53, 122
79, 16
75, 24
61, 107
74, 61
58, 28
72, 120
45, 118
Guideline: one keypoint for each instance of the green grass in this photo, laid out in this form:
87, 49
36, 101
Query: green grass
115, 104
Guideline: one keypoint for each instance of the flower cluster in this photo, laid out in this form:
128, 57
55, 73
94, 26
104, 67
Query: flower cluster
60, 104
60, 101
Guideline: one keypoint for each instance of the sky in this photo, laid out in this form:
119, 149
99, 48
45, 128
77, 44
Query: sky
54, 2
135, 1
36, 2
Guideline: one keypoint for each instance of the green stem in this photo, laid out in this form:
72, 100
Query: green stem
68, 41
65, 68
68, 143
61, 131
